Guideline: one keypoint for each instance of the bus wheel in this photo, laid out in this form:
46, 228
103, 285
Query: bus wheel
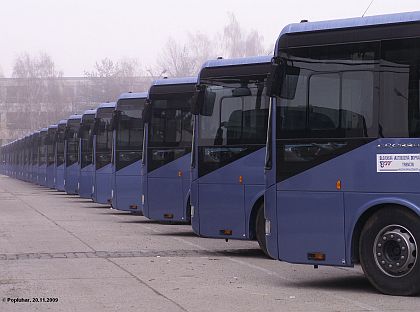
388, 251
260, 229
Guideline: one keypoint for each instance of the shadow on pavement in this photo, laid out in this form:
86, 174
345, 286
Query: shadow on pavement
345, 283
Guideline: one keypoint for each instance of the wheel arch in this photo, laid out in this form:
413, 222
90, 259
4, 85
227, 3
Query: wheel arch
370, 209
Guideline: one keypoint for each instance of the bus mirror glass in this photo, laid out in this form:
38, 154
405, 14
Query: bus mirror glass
95, 126
147, 111
197, 100
208, 103
289, 82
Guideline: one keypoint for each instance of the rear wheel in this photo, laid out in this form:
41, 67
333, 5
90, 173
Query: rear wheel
260, 229
389, 251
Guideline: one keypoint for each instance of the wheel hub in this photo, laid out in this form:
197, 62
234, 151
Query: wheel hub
395, 250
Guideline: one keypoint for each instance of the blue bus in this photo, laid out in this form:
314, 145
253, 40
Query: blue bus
86, 153
60, 155
25, 149
102, 151
35, 157
51, 148
71, 160
167, 150
343, 153
127, 152
42, 160
227, 187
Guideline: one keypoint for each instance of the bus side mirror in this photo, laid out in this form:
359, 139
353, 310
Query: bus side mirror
282, 80
95, 126
197, 100
115, 120
147, 111
208, 103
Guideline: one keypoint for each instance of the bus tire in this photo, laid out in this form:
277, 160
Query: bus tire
388, 251
260, 229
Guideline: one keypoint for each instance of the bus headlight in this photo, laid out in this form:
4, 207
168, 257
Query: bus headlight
112, 194
93, 189
142, 199
192, 211
267, 227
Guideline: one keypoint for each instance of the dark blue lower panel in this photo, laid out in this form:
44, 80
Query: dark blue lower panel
50, 176
311, 222
221, 208
102, 190
42, 176
59, 179
72, 179
85, 183
127, 193
165, 199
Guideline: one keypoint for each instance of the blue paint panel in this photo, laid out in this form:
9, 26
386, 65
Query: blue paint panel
195, 218
219, 209
86, 181
166, 192
218, 212
102, 182
42, 175
270, 200
127, 188
59, 179
72, 179
311, 222
50, 176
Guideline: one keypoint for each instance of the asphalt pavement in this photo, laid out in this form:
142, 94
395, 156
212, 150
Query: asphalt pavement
62, 253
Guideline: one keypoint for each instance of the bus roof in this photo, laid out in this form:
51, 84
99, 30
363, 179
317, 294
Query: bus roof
52, 126
44, 130
390, 20
74, 117
106, 105
89, 112
237, 61
352, 22
133, 95
237, 67
174, 81
62, 122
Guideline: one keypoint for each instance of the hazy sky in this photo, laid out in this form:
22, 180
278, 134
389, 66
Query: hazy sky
76, 33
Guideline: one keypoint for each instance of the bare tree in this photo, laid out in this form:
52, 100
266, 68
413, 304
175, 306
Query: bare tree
110, 78
39, 88
176, 59
237, 42
185, 59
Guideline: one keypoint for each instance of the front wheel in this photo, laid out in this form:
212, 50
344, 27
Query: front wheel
388, 251
260, 230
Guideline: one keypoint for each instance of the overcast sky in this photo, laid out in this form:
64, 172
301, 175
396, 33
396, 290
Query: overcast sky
76, 33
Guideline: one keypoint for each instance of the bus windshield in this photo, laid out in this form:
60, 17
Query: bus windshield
86, 138
170, 129
72, 142
129, 132
51, 147
103, 137
60, 144
233, 121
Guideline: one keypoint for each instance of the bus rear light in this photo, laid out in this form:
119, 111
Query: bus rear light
338, 185
241, 179
267, 227
226, 232
133, 207
168, 215
316, 256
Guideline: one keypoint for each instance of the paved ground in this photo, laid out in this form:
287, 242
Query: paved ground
93, 258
